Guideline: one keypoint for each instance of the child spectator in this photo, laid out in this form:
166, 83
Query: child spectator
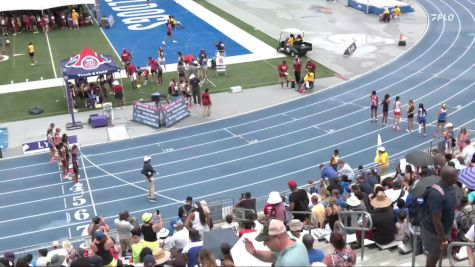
231, 224
402, 228
400, 203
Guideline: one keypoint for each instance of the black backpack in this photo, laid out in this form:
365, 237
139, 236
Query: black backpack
417, 205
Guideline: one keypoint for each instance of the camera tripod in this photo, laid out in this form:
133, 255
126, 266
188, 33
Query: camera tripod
206, 80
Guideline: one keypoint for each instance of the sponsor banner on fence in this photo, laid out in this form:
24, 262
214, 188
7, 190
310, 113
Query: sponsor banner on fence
146, 114
174, 112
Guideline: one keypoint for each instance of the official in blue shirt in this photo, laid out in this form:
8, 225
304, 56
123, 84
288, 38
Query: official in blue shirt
328, 172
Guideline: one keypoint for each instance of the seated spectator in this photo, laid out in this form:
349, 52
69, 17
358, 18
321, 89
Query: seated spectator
356, 189
248, 228
42, 259
462, 215
345, 169
382, 216
325, 197
291, 40
318, 214
275, 207
230, 224
193, 248
206, 258
314, 255
339, 199
57, 251
136, 247
345, 184
260, 221
226, 250
332, 212
309, 80
8, 259
179, 239
400, 207
296, 227
311, 187
247, 202
396, 192
298, 40
341, 256
402, 228
314, 199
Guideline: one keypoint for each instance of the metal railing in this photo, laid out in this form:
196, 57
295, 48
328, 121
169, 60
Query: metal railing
366, 221
456, 244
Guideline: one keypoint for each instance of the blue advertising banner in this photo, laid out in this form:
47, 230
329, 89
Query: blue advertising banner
174, 112
146, 114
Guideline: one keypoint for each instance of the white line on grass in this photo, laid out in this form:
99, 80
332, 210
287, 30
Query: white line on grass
51, 56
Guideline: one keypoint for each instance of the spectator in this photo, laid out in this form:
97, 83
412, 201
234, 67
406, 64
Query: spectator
42, 259
470, 236
341, 256
275, 207
382, 160
98, 223
199, 219
206, 102
314, 200
345, 169
206, 258
327, 172
185, 209
57, 251
463, 136
124, 229
318, 213
468, 152
438, 215
149, 261
402, 228
102, 247
248, 228
311, 186
325, 197
195, 89
400, 208
249, 203
179, 239
150, 229
298, 200
296, 227
226, 250
118, 94
230, 224
332, 212
9, 257
382, 216
193, 248
396, 192
314, 255
284, 251
137, 247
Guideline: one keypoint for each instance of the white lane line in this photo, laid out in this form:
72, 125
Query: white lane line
349, 103
24, 166
87, 182
126, 182
236, 135
318, 128
30, 176
287, 115
321, 101
51, 56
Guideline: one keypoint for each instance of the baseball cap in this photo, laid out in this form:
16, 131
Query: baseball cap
292, 183
146, 158
271, 228
115, 83
55, 244
382, 149
99, 235
146, 217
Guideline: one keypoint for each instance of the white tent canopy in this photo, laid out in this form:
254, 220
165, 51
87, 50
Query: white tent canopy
10, 5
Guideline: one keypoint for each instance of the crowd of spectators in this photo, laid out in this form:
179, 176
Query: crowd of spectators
282, 225
14, 22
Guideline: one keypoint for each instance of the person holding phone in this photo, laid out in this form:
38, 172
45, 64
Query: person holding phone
148, 172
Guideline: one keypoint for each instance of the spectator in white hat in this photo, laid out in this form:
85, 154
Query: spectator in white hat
148, 172
275, 207
295, 227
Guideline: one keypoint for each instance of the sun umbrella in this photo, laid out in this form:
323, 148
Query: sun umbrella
212, 240
467, 177
419, 158
242, 258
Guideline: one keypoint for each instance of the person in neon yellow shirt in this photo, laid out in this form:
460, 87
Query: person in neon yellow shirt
75, 19
397, 11
309, 79
382, 160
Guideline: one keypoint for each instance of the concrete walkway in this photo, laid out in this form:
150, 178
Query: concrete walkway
376, 46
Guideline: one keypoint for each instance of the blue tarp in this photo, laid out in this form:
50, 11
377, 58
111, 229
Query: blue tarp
88, 63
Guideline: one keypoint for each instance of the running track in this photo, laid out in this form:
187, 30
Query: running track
257, 152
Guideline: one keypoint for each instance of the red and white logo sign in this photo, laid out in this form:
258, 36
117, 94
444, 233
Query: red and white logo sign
87, 59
